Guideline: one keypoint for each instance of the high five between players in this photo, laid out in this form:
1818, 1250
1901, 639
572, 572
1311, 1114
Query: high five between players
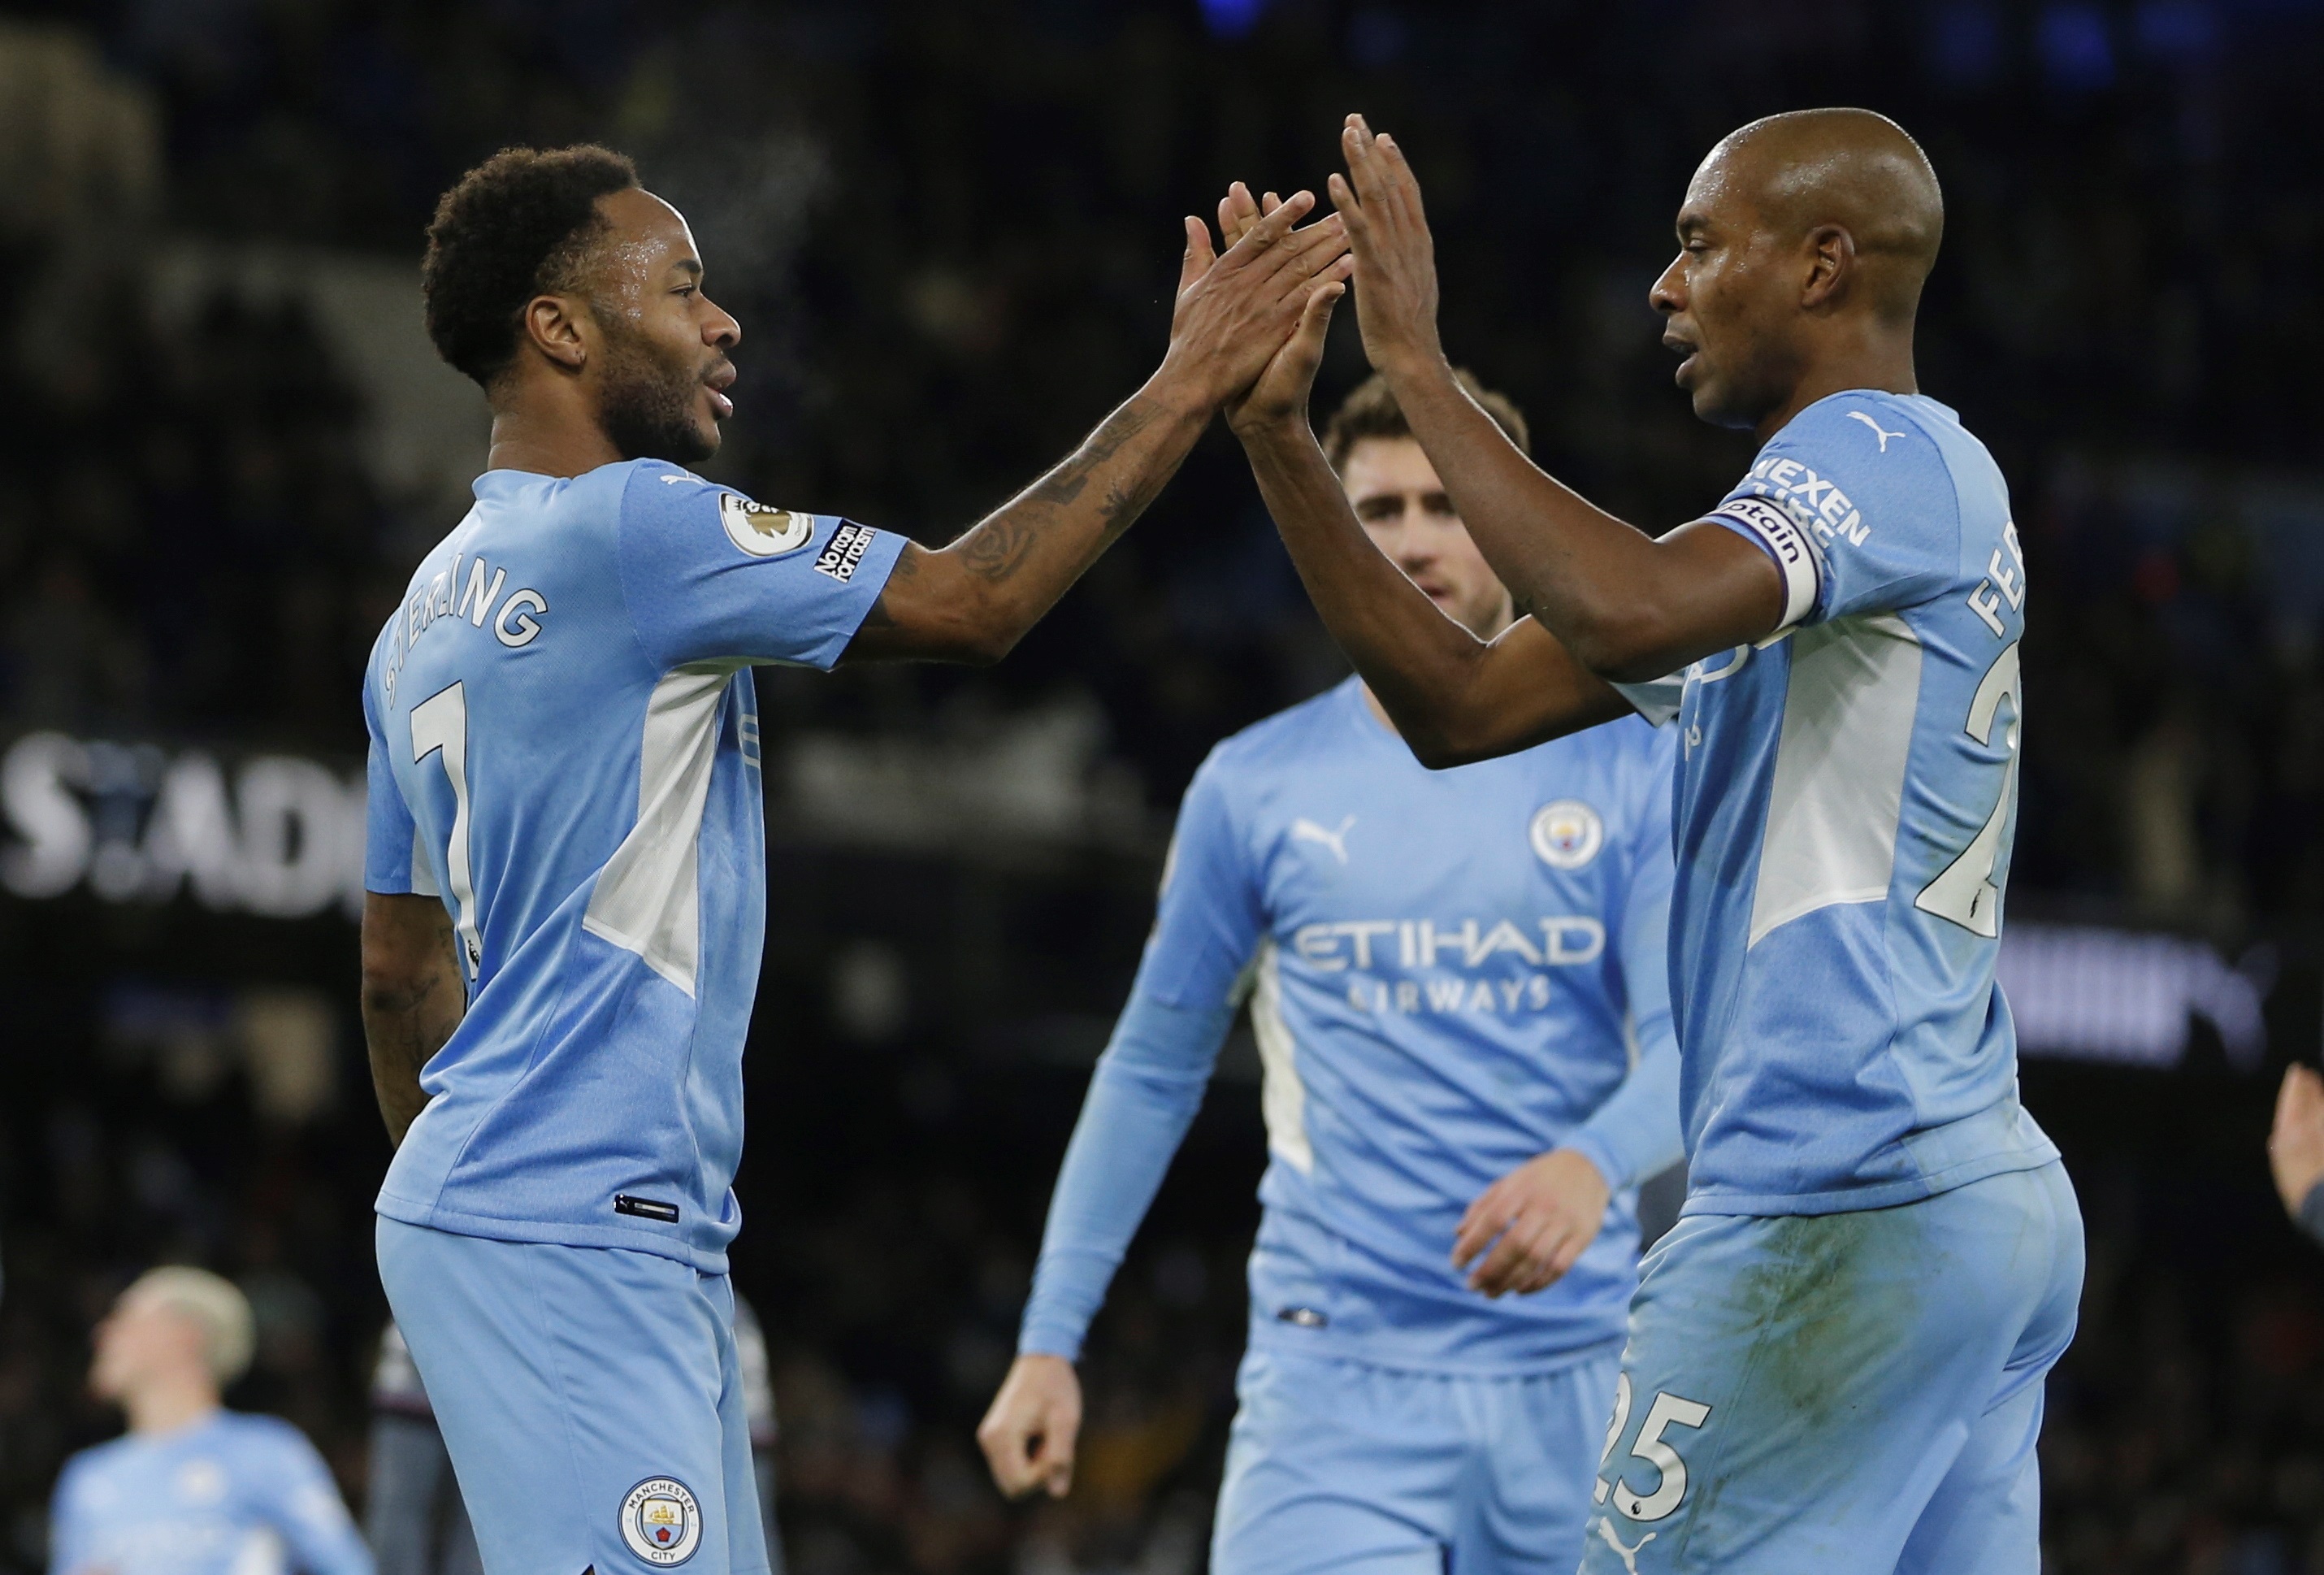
1834, 1360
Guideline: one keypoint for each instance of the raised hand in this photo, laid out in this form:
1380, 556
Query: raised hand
1235, 309
1538, 1220
1396, 259
1283, 386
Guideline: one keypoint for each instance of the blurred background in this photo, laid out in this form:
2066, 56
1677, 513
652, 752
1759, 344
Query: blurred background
949, 230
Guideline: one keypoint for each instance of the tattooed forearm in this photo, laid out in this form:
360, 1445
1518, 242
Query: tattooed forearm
997, 549
974, 600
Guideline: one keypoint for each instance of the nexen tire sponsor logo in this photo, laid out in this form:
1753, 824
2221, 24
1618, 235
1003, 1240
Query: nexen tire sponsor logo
1810, 499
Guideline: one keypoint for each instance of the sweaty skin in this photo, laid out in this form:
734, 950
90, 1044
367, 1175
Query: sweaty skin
1804, 240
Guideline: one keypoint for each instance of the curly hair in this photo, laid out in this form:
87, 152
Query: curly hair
517, 225
1370, 411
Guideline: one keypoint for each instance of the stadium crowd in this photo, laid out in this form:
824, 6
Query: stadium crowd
948, 231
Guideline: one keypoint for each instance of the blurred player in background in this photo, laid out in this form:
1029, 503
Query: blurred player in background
413, 1513
1459, 985
1836, 1357
567, 857
193, 1488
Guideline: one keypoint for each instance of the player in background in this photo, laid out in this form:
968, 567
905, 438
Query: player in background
413, 1516
193, 1488
1836, 1357
1457, 983
566, 862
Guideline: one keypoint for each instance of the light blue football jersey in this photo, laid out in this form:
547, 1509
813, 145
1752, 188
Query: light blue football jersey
1847, 798
565, 747
1450, 973
230, 1494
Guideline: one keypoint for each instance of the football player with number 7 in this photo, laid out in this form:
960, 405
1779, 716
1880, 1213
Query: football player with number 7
565, 864
1836, 1357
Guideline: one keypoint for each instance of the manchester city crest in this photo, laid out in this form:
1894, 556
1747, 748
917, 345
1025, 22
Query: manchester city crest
1566, 834
762, 531
661, 1521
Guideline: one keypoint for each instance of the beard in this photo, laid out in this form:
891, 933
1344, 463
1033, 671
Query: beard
648, 409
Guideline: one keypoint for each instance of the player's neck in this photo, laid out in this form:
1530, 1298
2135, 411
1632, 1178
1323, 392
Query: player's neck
549, 443
170, 1405
1878, 359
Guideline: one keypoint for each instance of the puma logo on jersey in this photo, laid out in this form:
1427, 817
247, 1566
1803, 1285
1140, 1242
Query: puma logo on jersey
1629, 1555
1304, 830
1876, 431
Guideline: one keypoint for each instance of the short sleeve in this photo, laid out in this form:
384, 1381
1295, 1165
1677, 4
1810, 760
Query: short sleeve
390, 866
710, 575
1207, 922
1855, 504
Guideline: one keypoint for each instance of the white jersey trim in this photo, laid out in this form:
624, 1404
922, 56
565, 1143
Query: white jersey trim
1838, 787
1282, 1098
647, 898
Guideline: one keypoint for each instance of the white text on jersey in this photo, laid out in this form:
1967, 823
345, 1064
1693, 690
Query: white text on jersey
513, 624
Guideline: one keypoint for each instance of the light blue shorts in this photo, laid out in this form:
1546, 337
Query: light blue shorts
1341, 1466
1849, 1394
591, 1399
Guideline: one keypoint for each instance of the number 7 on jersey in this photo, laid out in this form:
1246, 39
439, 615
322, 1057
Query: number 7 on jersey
439, 725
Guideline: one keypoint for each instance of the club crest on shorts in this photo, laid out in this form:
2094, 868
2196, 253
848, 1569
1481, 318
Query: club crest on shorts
661, 1522
1566, 834
762, 531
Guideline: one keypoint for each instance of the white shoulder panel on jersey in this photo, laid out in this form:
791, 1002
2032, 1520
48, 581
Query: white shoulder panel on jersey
1282, 1098
1831, 821
646, 899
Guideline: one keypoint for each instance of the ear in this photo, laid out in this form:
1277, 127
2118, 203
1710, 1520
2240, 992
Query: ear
553, 328
1829, 254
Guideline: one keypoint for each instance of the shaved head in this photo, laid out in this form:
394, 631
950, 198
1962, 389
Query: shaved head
1847, 168
1805, 239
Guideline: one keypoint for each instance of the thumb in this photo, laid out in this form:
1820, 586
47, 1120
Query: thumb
1199, 255
1315, 317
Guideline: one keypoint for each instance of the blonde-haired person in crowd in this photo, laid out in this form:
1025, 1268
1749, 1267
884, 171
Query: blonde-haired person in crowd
193, 1488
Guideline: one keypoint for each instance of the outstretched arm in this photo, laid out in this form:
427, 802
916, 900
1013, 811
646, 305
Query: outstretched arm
974, 600
1628, 607
1454, 697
